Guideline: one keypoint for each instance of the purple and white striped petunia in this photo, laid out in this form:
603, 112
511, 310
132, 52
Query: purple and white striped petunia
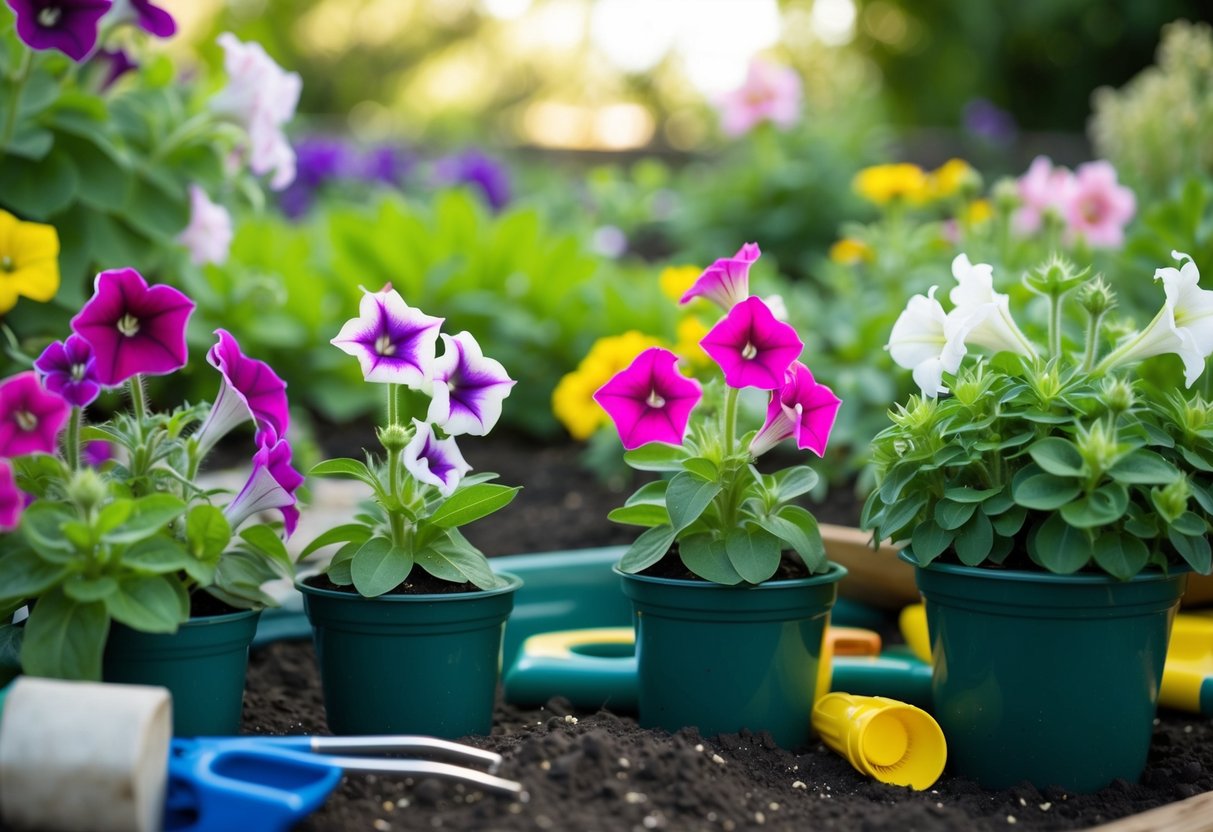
650, 401
434, 461
68, 369
803, 409
12, 498
394, 343
752, 348
468, 388
250, 389
271, 485
727, 281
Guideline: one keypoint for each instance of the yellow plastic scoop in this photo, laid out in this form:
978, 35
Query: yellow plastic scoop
885, 739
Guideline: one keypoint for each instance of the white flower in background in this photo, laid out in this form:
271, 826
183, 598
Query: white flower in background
777, 306
990, 323
261, 97
1183, 326
209, 233
928, 341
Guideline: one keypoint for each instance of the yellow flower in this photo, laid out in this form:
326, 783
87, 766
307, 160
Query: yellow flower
882, 184
850, 251
29, 261
675, 280
690, 332
977, 212
953, 177
573, 399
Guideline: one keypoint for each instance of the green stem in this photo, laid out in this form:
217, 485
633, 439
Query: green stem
1088, 356
184, 132
138, 401
10, 121
1054, 326
393, 405
730, 421
71, 446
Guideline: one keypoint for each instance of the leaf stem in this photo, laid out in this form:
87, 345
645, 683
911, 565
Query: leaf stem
71, 445
1088, 357
730, 420
10, 121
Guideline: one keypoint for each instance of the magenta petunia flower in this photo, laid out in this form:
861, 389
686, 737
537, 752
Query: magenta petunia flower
250, 389
12, 498
67, 25
650, 401
134, 328
727, 281
30, 417
68, 369
752, 348
271, 485
770, 93
435, 461
803, 409
151, 18
393, 342
96, 453
1098, 208
468, 388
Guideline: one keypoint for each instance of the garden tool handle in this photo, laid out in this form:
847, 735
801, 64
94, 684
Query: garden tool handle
429, 768
405, 744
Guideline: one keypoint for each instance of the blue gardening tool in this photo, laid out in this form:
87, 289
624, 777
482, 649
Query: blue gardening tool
271, 783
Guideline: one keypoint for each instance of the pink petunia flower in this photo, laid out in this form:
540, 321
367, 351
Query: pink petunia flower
650, 401
250, 389
770, 92
1043, 188
12, 498
727, 281
1098, 208
751, 347
31, 419
271, 485
803, 409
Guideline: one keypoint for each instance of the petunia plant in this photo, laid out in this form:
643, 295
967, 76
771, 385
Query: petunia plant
422, 491
1052, 454
131, 535
726, 520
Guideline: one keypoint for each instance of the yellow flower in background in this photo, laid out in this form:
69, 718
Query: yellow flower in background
29, 261
883, 184
977, 212
953, 177
675, 280
690, 332
850, 251
572, 400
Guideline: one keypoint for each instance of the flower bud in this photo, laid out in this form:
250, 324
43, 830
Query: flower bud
1098, 445
1118, 395
918, 415
87, 489
394, 437
1171, 500
1055, 277
1006, 194
1096, 296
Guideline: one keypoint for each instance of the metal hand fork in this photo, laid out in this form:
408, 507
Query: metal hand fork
271, 783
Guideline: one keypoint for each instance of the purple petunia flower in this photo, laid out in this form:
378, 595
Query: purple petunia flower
386, 164
478, 170
271, 485
803, 409
468, 388
114, 63
250, 389
393, 342
985, 120
727, 281
67, 25
68, 369
30, 418
752, 348
133, 328
434, 461
96, 453
151, 18
650, 401
12, 498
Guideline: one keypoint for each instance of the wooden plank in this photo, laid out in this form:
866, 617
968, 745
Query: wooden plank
1192, 815
874, 576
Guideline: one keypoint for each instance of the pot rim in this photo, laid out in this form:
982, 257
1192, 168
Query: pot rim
1148, 575
836, 572
513, 583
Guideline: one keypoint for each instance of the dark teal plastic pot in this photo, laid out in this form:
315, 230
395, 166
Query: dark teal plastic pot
1052, 679
409, 664
725, 658
202, 664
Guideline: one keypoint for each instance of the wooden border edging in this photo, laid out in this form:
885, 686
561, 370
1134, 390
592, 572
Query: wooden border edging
1195, 814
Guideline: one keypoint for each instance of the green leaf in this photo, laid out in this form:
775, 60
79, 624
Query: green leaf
149, 515
1009, 522
23, 574
1059, 547
338, 570
10, 652
900, 515
30, 142
37, 190
657, 456
896, 479
453, 558
753, 553
80, 588
964, 494
647, 549
266, 542
1193, 549
350, 469
40, 526
929, 541
114, 515
707, 557
1120, 555
798, 528
795, 482
1143, 467
160, 555
974, 540
702, 467
1102, 507
652, 493
64, 638
952, 515
1189, 523
999, 503
379, 566
642, 514
469, 504
1045, 492
1058, 456
686, 498
348, 533
207, 532
149, 604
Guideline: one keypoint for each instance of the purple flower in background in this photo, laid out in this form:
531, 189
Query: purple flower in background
12, 499
478, 170
727, 281
134, 328
386, 164
272, 485
468, 388
434, 461
96, 453
153, 19
989, 122
250, 389
393, 342
319, 159
115, 63
803, 409
752, 348
68, 369
30, 417
650, 401
67, 25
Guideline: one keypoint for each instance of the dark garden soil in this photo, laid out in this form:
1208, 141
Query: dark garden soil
600, 771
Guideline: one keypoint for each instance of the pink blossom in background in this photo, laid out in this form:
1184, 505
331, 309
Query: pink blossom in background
1098, 207
770, 92
209, 233
1043, 188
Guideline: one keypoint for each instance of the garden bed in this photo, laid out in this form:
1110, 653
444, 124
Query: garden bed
602, 771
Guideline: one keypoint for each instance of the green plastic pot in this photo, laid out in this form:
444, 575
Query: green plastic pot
725, 658
203, 666
1052, 679
409, 664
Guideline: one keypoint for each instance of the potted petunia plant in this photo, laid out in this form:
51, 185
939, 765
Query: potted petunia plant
730, 580
130, 568
1053, 498
407, 615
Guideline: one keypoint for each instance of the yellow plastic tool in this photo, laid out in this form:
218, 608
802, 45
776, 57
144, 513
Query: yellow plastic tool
885, 739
